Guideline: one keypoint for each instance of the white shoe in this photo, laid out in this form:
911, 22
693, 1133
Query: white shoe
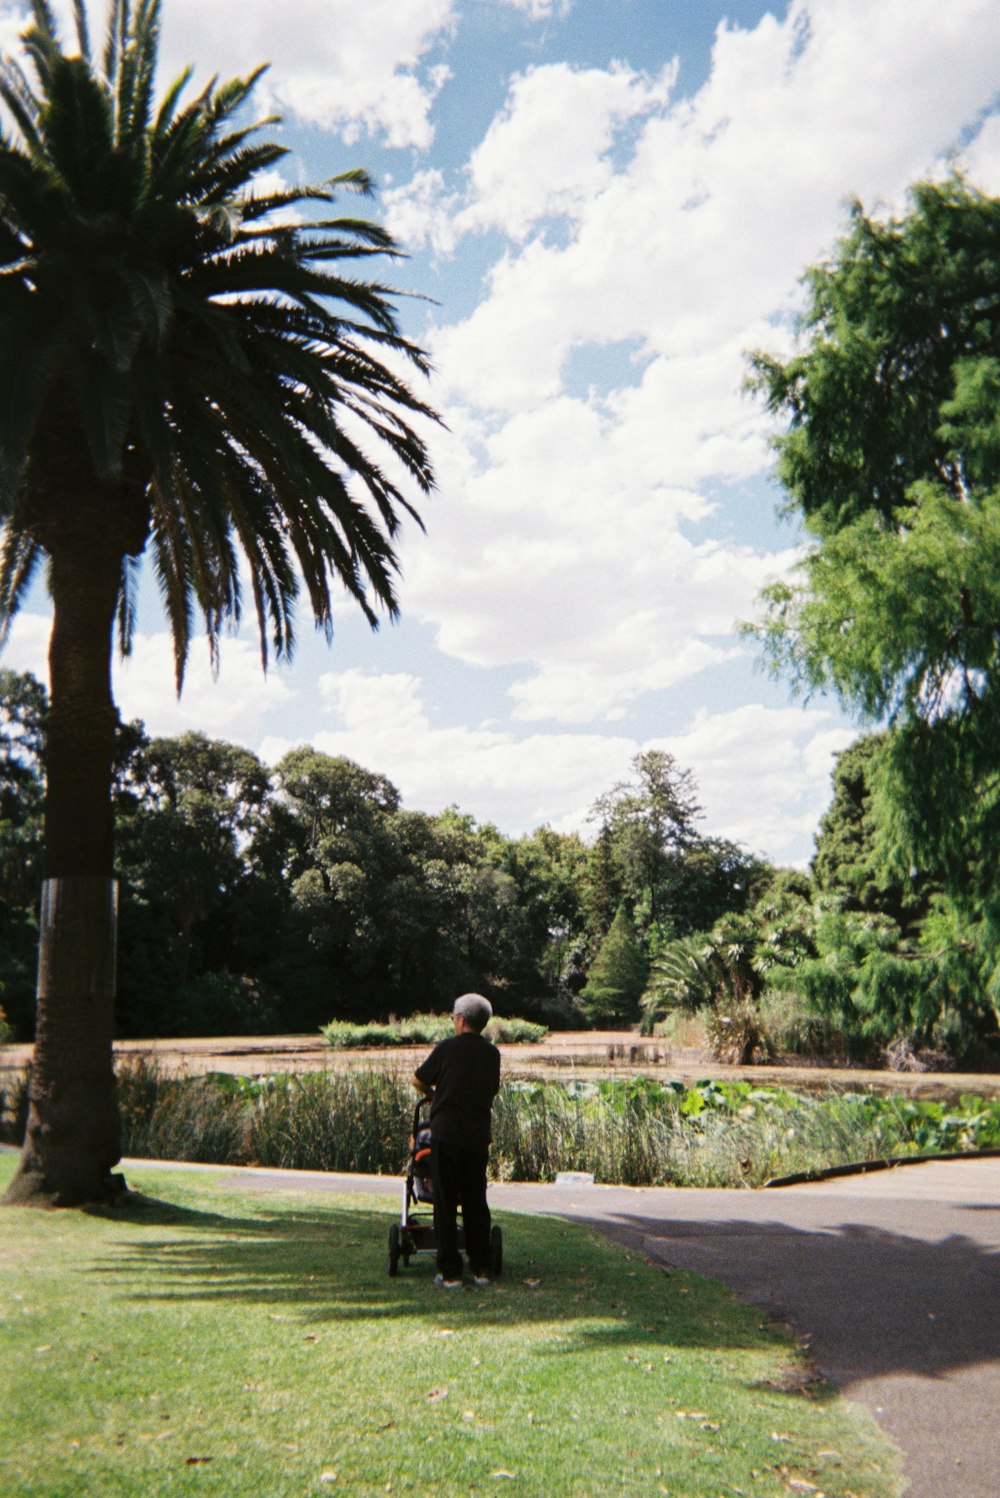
444, 1284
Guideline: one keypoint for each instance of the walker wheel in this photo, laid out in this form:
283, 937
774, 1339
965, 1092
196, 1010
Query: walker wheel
393, 1250
496, 1249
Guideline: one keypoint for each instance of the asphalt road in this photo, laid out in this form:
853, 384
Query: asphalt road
894, 1278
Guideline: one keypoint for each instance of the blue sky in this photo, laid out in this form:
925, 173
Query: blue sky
609, 202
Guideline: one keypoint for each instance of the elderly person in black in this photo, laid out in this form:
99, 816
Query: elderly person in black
461, 1076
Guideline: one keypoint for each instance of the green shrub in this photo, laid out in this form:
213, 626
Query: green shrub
735, 1032
221, 1004
793, 1028
5, 1030
353, 1121
423, 1029
356, 1121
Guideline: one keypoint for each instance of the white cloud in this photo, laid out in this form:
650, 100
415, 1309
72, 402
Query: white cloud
530, 165
10, 28
360, 69
571, 556
541, 10
232, 706
727, 196
570, 533
520, 783
763, 774
981, 157
422, 213
27, 645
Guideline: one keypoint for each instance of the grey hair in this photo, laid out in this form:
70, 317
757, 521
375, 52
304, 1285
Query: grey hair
476, 1010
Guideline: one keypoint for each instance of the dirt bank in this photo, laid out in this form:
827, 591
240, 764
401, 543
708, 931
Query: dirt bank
559, 1057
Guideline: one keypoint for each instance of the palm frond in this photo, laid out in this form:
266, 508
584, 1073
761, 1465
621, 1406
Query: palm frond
79, 130
171, 564
45, 20
118, 23
127, 604
28, 354
17, 95
350, 232
168, 104
227, 381
226, 100
19, 558
256, 207
355, 179
222, 178
41, 43
137, 73
82, 29
683, 976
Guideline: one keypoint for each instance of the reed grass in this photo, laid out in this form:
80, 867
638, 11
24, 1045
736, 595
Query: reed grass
637, 1133
341, 1121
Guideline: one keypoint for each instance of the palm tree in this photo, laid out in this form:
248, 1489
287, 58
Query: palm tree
190, 366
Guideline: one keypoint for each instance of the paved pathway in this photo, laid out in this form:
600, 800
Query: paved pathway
894, 1277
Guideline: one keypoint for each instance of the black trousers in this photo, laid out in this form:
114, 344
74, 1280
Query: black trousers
459, 1177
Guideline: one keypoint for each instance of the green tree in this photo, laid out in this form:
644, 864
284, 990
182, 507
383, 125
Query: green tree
548, 869
867, 984
617, 975
603, 884
388, 910
708, 879
187, 811
847, 862
647, 828
186, 370
328, 839
892, 457
648, 853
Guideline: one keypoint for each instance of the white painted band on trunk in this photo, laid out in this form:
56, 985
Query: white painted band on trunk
78, 926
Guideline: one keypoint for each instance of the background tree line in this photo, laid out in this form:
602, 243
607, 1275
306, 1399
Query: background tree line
268, 900
255, 899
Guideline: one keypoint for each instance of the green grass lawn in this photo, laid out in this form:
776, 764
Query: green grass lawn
227, 1342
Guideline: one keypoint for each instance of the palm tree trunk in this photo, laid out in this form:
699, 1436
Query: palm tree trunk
72, 1139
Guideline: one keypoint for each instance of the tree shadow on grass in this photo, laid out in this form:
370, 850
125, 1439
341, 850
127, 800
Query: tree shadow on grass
139, 1210
324, 1264
873, 1302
